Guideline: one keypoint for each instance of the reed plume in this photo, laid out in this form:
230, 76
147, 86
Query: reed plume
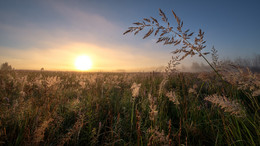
230, 106
153, 108
39, 132
214, 56
176, 35
170, 36
135, 89
172, 97
162, 84
157, 137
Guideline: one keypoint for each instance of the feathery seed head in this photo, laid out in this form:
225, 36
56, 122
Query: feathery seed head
230, 106
135, 89
172, 97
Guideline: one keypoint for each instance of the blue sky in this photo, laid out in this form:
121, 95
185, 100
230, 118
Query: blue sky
52, 34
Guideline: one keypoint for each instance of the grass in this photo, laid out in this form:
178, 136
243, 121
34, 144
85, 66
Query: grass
50, 108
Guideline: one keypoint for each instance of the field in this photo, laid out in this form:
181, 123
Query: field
76, 108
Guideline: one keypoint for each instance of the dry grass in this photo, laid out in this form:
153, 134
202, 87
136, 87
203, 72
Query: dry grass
228, 105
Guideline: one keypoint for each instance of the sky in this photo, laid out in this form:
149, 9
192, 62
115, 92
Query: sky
51, 34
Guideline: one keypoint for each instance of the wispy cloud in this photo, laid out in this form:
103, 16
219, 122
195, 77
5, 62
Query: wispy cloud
55, 45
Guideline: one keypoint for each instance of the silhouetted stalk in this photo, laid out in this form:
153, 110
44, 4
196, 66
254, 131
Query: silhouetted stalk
200, 54
212, 67
174, 37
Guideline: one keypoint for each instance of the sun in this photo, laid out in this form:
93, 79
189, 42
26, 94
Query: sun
83, 63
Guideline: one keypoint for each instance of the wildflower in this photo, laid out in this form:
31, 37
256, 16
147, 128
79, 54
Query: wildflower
230, 106
135, 89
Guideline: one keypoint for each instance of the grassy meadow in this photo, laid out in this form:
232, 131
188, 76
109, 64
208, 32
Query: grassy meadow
77, 108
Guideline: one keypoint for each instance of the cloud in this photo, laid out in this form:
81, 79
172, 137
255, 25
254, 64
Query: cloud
67, 23
55, 44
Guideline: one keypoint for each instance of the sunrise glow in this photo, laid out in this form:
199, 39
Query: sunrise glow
83, 63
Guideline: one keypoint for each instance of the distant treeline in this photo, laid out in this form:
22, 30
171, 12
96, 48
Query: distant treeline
253, 63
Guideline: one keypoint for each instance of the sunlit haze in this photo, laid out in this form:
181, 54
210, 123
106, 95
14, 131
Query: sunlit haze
52, 34
83, 63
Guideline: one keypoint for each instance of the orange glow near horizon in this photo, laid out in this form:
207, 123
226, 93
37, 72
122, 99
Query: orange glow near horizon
83, 63
63, 56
